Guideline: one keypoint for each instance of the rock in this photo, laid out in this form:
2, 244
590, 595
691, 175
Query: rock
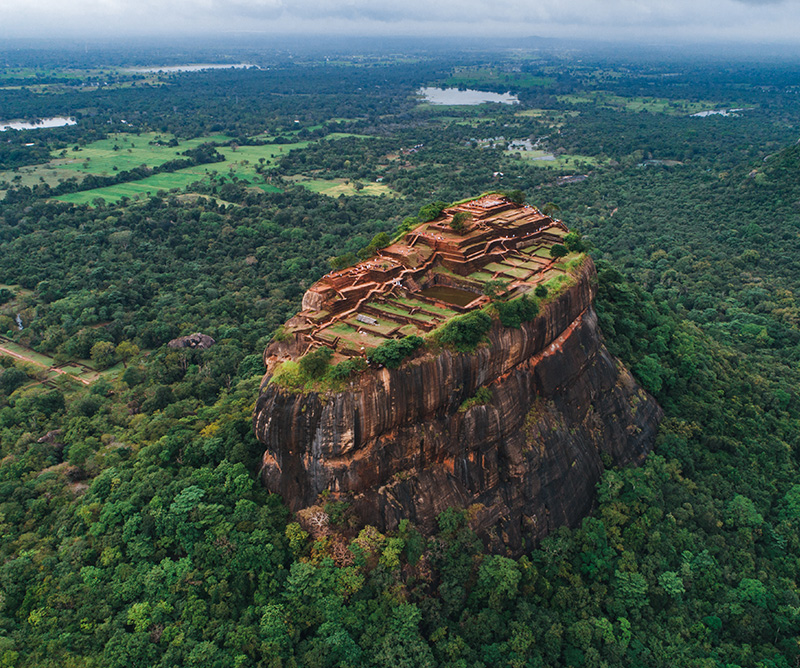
398, 447
50, 436
197, 340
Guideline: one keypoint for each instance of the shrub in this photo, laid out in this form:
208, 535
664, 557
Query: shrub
431, 211
516, 196
315, 363
281, 335
495, 289
541, 291
342, 261
459, 222
514, 313
483, 395
347, 368
465, 332
391, 353
574, 242
380, 240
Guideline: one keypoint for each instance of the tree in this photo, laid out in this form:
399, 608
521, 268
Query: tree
11, 379
574, 242
391, 353
459, 222
465, 332
102, 354
126, 351
558, 250
550, 209
315, 363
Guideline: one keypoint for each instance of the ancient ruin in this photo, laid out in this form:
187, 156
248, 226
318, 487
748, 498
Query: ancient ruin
433, 273
517, 431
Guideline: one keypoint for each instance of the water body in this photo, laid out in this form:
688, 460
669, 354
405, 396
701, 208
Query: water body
450, 295
54, 122
454, 96
717, 112
187, 68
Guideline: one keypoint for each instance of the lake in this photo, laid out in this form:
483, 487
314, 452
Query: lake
187, 68
454, 96
54, 122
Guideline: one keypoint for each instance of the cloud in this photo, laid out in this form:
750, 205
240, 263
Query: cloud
630, 20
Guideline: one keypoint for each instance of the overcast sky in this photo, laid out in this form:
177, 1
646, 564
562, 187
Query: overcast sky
751, 21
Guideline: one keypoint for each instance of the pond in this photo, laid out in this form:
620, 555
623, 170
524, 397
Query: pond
454, 96
54, 122
450, 295
187, 68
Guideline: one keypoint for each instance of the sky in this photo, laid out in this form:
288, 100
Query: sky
661, 21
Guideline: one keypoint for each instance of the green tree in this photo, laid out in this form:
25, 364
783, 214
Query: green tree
126, 351
391, 353
102, 354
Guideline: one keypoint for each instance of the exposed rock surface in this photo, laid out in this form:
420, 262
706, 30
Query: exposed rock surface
397, 445
197, 340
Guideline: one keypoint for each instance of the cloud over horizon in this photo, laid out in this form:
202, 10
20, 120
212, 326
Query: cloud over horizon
679, 21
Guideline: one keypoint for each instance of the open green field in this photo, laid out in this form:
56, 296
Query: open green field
18, 291
336, 187
123, 151
431, 308
74, 79
652, 105
100, 158
80, 370
240, 162
475, 77
566, 161
34, 174
136, 189
26, 353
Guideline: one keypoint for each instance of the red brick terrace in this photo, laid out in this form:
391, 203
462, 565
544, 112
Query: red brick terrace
430, 275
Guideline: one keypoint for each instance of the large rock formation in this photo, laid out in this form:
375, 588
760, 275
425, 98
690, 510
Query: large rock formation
399, 444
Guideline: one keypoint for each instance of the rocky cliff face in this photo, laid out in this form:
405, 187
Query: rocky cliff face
397, 445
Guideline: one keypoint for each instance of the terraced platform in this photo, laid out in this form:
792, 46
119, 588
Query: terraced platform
419, 282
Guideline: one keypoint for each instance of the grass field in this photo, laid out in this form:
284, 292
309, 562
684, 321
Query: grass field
241, 163
475, 77
336, 187
565, 161
135, 189
103, 159
80, 370
636, 104
26, 353
100, 159
532, 113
